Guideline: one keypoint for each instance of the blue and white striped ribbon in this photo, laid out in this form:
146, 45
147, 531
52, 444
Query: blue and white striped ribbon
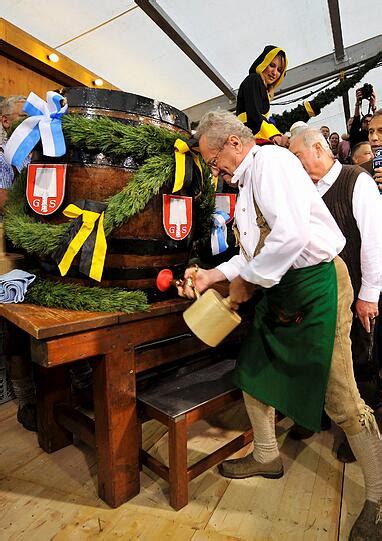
43, 122
219, 232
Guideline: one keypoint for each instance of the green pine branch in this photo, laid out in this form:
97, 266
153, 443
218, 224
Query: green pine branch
76, 297
148, 144
102, 134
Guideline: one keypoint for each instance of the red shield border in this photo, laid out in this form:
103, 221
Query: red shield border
180, 215
225, 201
36, 201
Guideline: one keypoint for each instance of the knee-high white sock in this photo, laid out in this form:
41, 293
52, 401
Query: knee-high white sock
262, 419
367, 448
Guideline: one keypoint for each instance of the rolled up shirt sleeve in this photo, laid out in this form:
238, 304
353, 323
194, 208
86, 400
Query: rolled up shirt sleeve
232, 268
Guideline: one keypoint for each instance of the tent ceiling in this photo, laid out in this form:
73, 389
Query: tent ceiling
133, 53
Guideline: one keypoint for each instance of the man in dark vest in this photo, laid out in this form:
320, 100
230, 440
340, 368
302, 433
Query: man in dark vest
288, 247
353, 199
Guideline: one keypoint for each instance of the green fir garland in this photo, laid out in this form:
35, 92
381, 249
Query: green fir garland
285, 121
23, 230
43, 239
101, 134
76, 297
147, 181
151, 146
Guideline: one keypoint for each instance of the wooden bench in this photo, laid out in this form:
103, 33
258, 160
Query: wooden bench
178, 401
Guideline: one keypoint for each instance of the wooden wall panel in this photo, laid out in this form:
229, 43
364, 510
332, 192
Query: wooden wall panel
26, 50
16, 79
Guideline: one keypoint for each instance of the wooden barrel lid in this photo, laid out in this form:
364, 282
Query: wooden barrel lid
92, 99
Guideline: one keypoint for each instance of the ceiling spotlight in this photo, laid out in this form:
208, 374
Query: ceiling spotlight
98, 82
53, 57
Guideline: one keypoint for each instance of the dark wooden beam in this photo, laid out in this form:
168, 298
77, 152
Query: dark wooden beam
335, 21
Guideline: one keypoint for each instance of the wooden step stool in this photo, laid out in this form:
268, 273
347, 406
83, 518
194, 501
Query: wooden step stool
180, 401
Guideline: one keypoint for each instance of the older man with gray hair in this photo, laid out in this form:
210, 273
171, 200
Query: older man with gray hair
353, 200
288, 247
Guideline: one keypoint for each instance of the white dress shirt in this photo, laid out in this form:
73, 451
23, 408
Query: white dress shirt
367, 211
303, 232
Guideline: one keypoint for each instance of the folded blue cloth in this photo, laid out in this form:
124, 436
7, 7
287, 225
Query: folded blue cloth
14, 284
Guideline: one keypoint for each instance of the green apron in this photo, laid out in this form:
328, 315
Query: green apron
285, 359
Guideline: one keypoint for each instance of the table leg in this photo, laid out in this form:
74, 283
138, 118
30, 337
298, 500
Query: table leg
52, 387
116, 425
177, 448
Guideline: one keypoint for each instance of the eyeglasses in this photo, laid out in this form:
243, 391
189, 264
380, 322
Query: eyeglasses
212, 164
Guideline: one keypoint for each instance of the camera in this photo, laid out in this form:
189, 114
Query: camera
366, 90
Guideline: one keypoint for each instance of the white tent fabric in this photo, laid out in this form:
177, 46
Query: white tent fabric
133, 53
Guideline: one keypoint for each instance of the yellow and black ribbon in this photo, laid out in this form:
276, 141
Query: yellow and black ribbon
309, 109
185, 161
85, 233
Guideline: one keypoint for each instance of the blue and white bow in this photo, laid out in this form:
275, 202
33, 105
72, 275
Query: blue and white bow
219, 232
44, 122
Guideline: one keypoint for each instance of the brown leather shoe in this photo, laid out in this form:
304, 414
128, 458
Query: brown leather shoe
368, 526
240, 468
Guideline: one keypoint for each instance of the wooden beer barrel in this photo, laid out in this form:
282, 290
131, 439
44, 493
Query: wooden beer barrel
140, 248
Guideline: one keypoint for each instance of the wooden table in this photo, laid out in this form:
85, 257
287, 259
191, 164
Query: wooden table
118, 346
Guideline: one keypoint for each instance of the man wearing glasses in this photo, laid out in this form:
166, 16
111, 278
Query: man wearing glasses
288, 247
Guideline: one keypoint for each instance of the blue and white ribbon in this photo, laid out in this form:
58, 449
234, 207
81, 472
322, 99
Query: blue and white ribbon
44, 122
219, 232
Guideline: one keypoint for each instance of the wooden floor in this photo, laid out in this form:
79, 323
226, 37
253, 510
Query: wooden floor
53, 497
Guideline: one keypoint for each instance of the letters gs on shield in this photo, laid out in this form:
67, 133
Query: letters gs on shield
45, 188
177, 216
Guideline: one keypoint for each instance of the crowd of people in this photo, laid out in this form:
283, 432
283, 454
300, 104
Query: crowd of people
353, 147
